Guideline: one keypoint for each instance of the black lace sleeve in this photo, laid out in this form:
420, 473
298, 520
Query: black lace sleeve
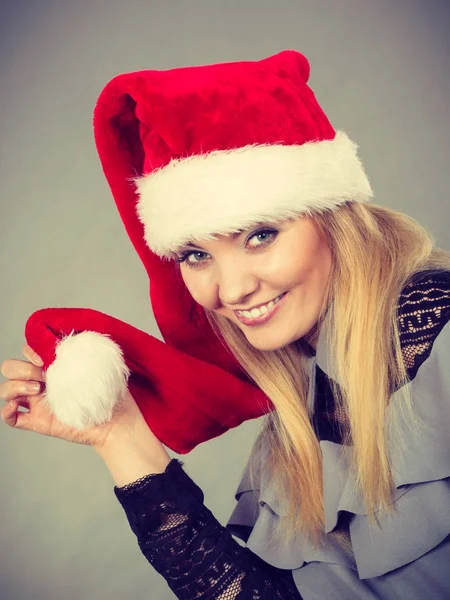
185, 543
423, 311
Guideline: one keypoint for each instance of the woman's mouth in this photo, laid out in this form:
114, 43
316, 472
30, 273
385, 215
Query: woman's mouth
258, 316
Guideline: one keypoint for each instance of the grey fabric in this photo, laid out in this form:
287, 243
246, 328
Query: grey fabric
408, 556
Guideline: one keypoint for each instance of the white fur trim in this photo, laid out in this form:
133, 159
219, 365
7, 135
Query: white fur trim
220, 192
86, 380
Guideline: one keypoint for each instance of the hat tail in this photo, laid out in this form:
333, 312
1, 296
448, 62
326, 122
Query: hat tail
91, 359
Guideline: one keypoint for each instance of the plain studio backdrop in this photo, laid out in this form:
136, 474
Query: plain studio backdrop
380, 70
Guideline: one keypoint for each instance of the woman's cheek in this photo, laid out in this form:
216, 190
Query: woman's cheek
286, 268
201, 291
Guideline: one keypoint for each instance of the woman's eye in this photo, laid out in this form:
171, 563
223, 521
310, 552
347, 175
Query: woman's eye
186, 255
268, 235
263, 232
196, 254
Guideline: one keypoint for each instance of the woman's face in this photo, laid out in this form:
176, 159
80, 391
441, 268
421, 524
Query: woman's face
237, 272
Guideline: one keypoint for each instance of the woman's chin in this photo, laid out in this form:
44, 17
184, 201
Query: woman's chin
265, 343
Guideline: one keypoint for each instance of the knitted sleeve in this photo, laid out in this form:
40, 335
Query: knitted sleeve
185, 543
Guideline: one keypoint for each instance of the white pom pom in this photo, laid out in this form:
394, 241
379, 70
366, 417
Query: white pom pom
86, 380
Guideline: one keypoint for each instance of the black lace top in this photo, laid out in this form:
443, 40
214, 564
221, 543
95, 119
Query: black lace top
185, 543
182, 539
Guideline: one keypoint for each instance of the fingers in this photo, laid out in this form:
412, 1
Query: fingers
25, 382
11, 415
13, 368
14, 389
32, 356
13, 393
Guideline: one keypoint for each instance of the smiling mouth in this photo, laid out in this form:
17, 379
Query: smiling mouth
260, 310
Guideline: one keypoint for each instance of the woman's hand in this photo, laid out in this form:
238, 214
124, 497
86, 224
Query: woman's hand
40, 419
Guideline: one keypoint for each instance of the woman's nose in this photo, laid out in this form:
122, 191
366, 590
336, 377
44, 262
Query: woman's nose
235, 284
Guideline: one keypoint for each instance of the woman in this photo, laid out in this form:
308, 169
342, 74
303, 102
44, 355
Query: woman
336, 308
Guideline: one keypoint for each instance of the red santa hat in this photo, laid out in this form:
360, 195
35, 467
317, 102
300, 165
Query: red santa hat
189, 154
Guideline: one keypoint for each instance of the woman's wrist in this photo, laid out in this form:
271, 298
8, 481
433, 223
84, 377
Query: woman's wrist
131, 455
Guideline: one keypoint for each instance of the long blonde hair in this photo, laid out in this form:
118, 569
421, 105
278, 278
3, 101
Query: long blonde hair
375, 250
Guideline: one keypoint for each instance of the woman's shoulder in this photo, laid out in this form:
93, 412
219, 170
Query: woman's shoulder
423, 311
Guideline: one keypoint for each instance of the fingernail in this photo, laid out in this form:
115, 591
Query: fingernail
37, 360
30, 388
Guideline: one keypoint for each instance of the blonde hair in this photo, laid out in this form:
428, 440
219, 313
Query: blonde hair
375, 250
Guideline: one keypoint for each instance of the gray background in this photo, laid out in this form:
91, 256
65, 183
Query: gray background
381, 72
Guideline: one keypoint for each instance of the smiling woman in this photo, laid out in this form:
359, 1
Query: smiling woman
292, 263
281, 291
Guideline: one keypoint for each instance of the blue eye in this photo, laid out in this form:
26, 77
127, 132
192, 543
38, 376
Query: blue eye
183, 258
185, 255
262, 232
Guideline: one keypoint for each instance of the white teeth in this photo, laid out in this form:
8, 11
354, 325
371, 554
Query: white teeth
257, 312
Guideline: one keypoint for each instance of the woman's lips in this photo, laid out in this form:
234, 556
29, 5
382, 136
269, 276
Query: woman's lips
263, 318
